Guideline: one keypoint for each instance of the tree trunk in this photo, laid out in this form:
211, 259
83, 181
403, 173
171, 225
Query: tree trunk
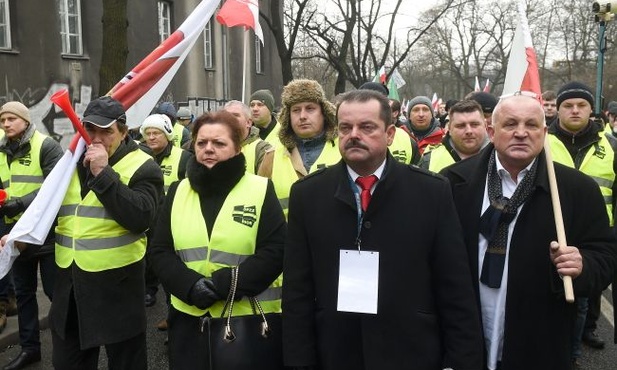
115, 44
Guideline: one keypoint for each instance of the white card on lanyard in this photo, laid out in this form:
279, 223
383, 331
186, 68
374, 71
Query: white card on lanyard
358, 283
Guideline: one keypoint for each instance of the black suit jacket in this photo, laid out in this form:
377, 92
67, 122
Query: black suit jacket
538, 321
427, 315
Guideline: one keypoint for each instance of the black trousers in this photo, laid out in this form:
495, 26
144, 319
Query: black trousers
129, 354
593, 312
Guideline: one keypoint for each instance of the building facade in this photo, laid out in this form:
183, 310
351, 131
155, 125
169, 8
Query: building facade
50, 45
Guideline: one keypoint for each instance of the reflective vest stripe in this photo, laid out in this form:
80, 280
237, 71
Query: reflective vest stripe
84, 211
401, 148
193, 254
271, 294
97, 244
603, 182
28, 179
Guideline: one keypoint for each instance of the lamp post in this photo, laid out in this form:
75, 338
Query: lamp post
604, 13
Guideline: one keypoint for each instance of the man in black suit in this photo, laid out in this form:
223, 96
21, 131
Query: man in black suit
504, 203
376, 274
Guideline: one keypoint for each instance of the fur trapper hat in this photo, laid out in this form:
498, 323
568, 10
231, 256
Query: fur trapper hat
300, 91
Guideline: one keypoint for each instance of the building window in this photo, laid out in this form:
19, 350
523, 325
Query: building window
258, 56
164, 20
5, 25
70, 27
208, 47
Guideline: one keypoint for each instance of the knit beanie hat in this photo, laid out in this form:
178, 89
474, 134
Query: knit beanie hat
264, 96
487, 101
421, 100
169, 110
184, 113
573, 90
158, 121
612, 107
301, 91
17, 109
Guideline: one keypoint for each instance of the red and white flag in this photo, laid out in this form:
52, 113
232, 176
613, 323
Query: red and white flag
477, 85
143, 86
487, 86
241, 13
522, 73
435, 102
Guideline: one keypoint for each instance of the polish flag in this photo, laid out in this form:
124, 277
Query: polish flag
522, 73
477, 86
381, 76
143, 86
241, 13
435, 102
487, 86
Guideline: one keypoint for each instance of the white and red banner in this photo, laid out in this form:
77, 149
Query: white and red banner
522, 73
487, 86
477, 85
241, 13
143, 86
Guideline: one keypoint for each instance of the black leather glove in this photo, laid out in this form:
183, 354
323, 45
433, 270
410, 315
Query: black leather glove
12, 208
203, 294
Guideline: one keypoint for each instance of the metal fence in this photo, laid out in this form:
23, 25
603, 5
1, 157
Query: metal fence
201, 105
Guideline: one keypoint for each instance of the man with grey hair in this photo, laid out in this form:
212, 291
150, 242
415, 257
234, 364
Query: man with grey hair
255, 150
503, 199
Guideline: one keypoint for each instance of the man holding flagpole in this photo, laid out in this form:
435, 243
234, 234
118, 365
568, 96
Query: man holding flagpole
503, 198
100, 246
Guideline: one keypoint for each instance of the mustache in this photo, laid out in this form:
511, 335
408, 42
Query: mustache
354, 143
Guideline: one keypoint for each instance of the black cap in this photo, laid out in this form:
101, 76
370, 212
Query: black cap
104, 111
168, 109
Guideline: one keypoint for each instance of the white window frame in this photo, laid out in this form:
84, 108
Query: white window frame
164, 10
208, 46
5, 25
66, 18
258, 56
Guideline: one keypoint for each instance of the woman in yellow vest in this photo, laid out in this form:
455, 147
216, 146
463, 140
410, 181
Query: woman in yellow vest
219, 216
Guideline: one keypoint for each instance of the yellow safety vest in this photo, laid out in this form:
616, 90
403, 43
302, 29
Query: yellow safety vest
401, 148
598, 164
178, 130
250, 155
25, 175
284, 174
440, 158
86, 232
233, 240
169, 167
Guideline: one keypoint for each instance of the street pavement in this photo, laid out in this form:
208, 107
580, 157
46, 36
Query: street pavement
605, 359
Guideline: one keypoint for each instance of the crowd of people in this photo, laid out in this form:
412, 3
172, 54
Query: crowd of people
385, 238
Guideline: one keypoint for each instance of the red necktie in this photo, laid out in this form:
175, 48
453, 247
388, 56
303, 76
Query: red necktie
366, 183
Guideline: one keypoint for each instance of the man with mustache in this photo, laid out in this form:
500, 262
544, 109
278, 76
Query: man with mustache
360, 294
578, 141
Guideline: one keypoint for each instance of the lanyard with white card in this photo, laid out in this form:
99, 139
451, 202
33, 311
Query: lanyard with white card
358, 273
